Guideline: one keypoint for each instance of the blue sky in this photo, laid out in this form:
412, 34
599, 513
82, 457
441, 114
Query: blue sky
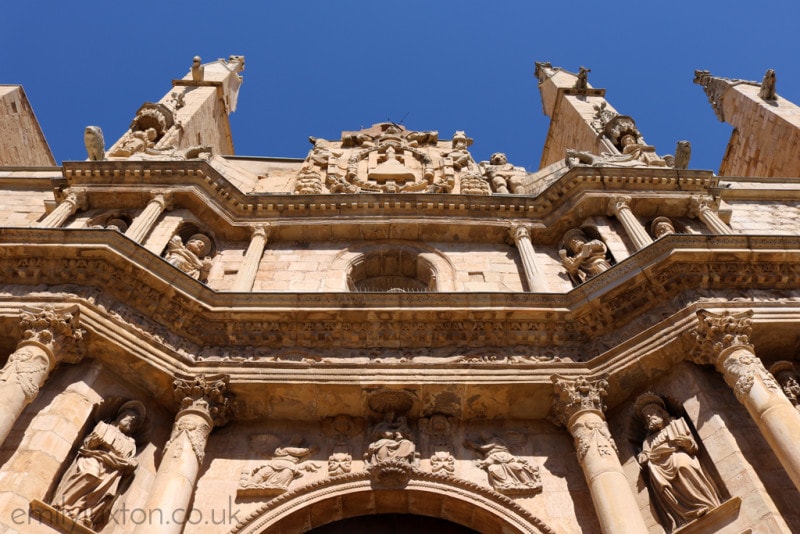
320, 67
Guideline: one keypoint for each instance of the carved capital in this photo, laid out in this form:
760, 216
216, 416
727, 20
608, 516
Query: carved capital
56, 331
698, 205
78, 199
719, 333
164, 198
260, 230
207, 395
617, 203
578, 395
519, 231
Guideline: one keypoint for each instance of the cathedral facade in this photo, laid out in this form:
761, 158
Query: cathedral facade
388, 335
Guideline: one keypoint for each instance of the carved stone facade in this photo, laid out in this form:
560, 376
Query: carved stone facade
194, 342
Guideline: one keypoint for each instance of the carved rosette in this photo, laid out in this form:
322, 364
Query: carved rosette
55, 331
717, 334
204, 403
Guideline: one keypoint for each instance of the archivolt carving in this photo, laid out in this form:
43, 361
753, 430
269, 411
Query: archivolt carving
488, 505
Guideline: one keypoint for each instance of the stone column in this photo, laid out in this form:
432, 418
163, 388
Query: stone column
700, 207
579, 407
204, 404
73, 200
620, 206
521, 236
252, 258
723, 340
143, 223
49, 337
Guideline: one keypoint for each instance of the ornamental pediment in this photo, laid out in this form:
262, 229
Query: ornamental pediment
388, 158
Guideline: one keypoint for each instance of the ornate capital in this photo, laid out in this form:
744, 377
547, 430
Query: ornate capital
78, 199
717, 333
618, 203
54, 330
699, 204
207, 395
165, 198
519, 231
578, 395
261, 230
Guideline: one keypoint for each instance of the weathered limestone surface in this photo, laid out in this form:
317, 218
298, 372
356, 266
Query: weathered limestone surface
22, 142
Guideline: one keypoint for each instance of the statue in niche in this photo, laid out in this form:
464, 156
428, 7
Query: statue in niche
507, 473
669, 455
662, 226
391, 442
503, 176
93, 481
286, 465
767, 91
190, 258
785, 374
583, 258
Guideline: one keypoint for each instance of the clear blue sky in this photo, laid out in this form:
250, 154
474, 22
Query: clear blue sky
320, 67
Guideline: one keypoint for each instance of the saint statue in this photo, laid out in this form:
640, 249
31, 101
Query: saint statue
190, 258
507, 473
582, 257
669, 455
90, 485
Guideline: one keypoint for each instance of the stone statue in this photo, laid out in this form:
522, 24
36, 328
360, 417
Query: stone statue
669, 455
460, 155
582, 83
634, 154
93, 481
767, 91
507, 473
284, 467
391, 442
95, 144
662, 226
582, 257
785, 374
191, 257
502, 175
683, 152
198, 70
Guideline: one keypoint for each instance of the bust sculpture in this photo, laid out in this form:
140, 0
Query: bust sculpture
583, 258
93, 481
669, 455
190, 258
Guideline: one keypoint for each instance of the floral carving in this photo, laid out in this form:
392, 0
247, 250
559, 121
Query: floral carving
593, 434
443, 463
26, 366
206, 394
718, 332
573, 396
340, 463
56, 330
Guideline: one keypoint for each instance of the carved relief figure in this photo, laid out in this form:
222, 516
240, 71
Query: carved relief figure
785, 374
669, 455
137, 141
662, 226
507, 473
391, 442
634, 154
284, 467
92, 482
190, 258
503, 176
582, 257
339, 463
460, 155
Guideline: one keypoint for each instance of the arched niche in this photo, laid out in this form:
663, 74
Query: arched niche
391, 266
353, 495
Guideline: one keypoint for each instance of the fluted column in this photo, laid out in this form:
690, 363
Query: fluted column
579, 407
204, 404
521, 236
723, 340
620, 207
143, 223
700, 207
49, 337
73, 200
246, 276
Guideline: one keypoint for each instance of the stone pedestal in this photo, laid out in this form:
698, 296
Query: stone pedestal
619, 206
204, 404
522, 239
579, 406
49, 337
723, 340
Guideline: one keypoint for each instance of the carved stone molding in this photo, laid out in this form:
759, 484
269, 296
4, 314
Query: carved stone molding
573, 396
55, 330
719, 333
